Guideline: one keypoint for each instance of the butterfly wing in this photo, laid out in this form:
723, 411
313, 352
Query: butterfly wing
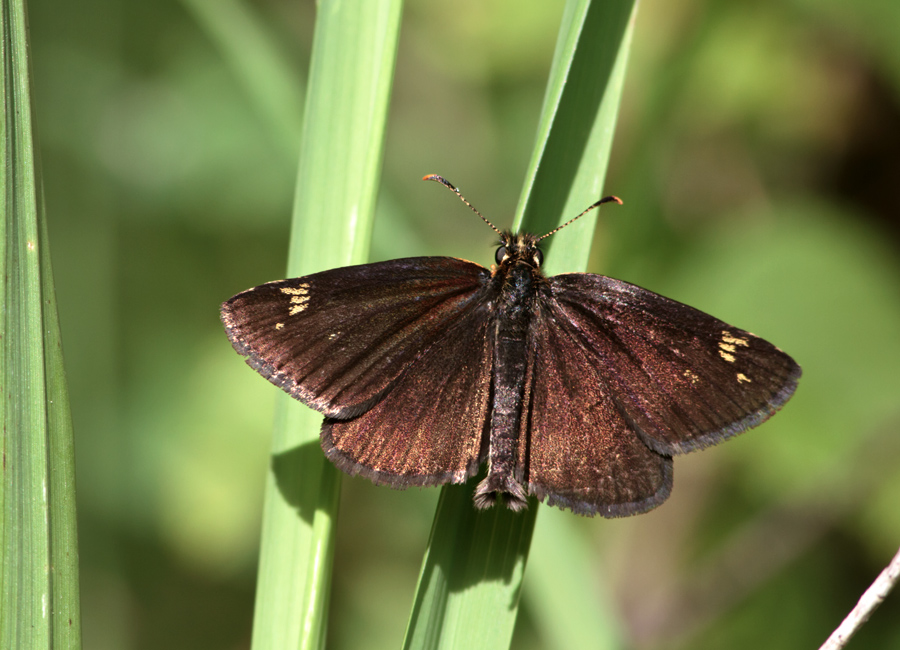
632, 378
683, 379
580, 452
339, 339
428, 429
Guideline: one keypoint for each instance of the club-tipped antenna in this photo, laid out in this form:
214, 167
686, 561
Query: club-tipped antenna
443, 181
605, 199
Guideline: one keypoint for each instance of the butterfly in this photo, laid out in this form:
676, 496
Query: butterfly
577, 389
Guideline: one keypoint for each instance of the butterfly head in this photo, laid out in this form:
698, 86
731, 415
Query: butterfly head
519, 248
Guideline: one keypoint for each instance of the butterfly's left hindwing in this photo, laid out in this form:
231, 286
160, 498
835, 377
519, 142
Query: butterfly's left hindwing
577, 450
682, 379
337, 340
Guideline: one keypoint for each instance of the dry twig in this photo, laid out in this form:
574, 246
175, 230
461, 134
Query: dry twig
871, 599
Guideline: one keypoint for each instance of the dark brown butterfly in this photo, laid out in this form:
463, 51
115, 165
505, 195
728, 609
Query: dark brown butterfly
577, 388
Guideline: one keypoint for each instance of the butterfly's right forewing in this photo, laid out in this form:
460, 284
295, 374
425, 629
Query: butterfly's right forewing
337, 340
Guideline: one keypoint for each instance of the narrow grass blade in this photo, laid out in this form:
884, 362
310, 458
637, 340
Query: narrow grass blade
468, 590
471, 577
566, 603
39, 603
270, 82
350, 79
574, 137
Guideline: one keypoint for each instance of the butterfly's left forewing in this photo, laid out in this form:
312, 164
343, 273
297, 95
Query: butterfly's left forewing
620, 379
681, 378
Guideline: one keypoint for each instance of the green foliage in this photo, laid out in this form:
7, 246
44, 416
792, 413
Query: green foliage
753, 151
472, 575
340, 160
39, 590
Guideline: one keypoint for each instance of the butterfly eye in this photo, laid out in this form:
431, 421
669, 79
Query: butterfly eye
501, 255
537, 256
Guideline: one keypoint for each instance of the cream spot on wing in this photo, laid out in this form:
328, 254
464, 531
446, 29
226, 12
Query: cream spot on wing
727, 337
726, 347
742, 378
298, 304
691, 376
279, 326
728, 357
301, 290
299, 298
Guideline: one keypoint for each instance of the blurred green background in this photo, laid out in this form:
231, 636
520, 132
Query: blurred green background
758, 155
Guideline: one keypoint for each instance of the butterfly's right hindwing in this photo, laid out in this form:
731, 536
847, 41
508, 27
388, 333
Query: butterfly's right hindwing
430, 427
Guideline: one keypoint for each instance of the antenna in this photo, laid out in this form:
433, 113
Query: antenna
443, 181
605, 199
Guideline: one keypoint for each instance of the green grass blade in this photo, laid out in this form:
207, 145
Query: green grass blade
352, 66
261, 69
574, 137
471, 576
39, 603
566, 605
468, 590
